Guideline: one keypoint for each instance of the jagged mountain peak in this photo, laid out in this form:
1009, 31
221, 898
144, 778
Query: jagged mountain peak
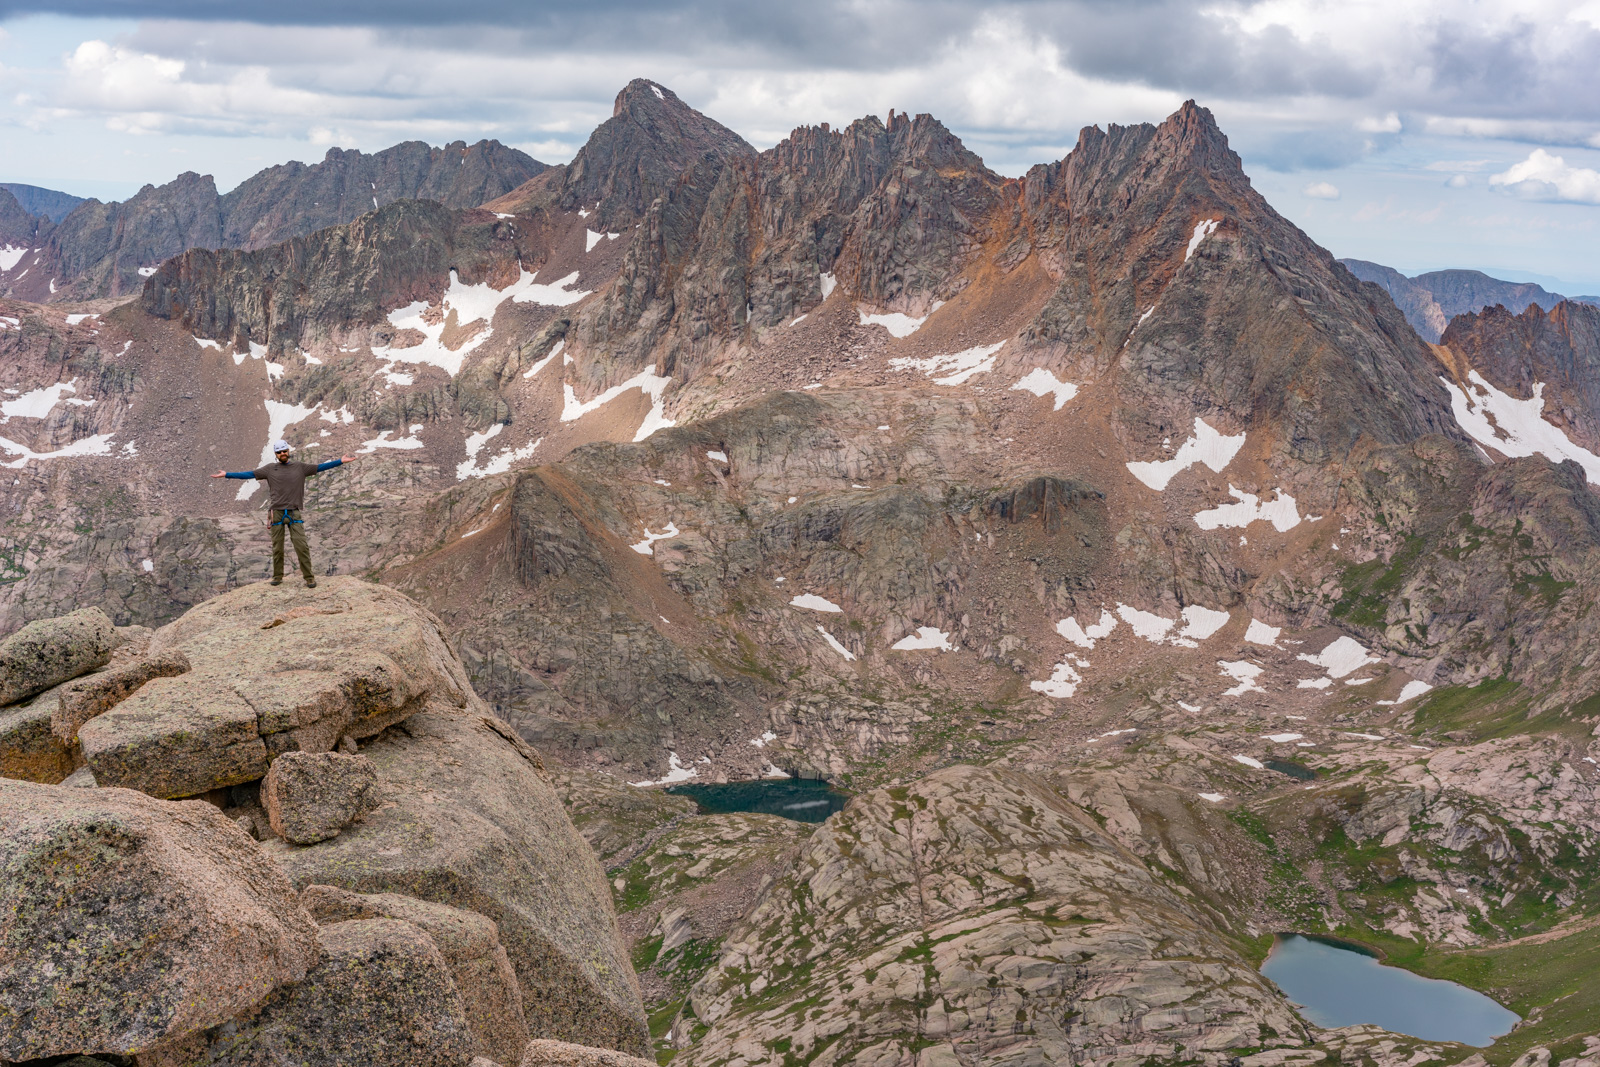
643, 151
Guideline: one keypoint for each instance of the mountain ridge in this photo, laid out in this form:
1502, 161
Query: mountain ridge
853, 459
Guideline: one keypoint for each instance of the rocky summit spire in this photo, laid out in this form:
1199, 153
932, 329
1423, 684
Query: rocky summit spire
642, 151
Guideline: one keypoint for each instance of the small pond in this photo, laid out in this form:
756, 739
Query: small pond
1337, 985
1292, 769
793, 798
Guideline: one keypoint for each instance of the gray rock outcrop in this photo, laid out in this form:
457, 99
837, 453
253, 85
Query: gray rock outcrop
381, 997
471, 821
541, 1052
310, 797
126, 922
273, 672
470, 945
51, 651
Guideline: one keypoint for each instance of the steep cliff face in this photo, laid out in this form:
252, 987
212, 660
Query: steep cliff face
19, 229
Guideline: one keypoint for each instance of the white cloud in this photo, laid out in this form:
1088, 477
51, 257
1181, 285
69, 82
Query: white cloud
1543, 176
1389, 123
1322, 191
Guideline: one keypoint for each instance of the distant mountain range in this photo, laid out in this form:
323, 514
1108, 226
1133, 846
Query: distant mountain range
94, 249
50, 203
1429, 301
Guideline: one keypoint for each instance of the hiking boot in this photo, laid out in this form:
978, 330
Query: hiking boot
311, 583
277, 581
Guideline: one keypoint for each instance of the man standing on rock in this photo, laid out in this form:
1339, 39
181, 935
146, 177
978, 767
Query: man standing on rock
286, 482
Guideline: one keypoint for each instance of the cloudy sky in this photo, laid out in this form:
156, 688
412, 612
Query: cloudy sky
1418, 133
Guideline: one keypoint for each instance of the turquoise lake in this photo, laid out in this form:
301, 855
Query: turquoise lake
1338, 986
804, 800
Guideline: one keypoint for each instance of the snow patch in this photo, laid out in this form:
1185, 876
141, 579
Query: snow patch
1412, 690
657, 91
1062, 683
1245, 673
1342, 657
382, 441
651, 384
1040, 381
98, 445
1207, 446
1215, 798
1313, 683
926, 637
1200, 623
958, 367
1086, 636
1283, 739
1518, 427
216, 345
73, 320
814, 602
897, 323
644, 548
676, 772
1281, 512
36, 403
764, 740
1260, 633
10, 257
833, 643
594, 239
720, 457
539, 366
1249, 762
1203, 229
828, 282
337, 415
1145, 624
147, 566
468, 468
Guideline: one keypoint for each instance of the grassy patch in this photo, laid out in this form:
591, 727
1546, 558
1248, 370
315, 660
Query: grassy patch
1493, 708
1551, 983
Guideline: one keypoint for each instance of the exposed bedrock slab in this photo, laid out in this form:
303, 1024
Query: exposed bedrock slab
127, 921
471, 820
978, 917
83, 698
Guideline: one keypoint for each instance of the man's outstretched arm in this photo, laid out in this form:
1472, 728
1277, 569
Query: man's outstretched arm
332, 463
234, 474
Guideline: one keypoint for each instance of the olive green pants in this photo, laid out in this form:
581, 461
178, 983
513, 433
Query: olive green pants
290, 519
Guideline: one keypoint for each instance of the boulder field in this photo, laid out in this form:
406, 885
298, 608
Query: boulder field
283, 828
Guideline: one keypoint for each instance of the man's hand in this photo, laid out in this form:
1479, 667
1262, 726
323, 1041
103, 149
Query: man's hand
347, 459
220, 474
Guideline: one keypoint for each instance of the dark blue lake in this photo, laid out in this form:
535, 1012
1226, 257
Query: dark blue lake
1337, 986
793, 798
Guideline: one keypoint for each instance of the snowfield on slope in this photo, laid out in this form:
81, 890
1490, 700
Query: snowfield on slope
1207, 446
1518, 428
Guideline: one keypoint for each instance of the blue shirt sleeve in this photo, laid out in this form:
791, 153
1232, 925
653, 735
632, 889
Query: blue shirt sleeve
241, 474
328, 465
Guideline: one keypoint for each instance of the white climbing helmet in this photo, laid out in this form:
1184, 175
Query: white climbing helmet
280, 445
